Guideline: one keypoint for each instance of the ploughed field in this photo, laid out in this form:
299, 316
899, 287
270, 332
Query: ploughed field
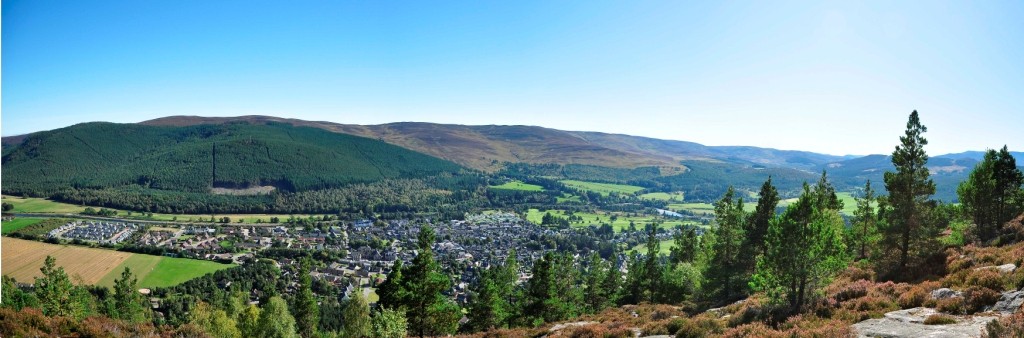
23, 258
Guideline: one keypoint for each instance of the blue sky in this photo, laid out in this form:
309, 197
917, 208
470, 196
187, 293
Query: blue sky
833, 77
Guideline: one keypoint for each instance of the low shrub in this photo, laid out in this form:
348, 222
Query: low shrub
915, 297
976, 298
1009, 326
939, 319
987, 278
953, 305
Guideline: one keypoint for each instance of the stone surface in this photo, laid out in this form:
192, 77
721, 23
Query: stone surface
1009, 303
1005, 268
563, 326
910, 323
944, 293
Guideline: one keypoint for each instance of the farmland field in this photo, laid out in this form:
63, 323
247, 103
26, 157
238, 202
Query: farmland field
40, 205
663, 196
665, 246
516, 185
621, 222
602, 188
18, 223
23, 258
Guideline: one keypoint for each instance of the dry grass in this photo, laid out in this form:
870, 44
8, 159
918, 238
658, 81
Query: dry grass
22, 260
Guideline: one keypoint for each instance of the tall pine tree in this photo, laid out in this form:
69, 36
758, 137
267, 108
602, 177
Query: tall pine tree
910, 188
725, 270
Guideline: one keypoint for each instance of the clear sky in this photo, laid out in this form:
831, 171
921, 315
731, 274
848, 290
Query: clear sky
835, 77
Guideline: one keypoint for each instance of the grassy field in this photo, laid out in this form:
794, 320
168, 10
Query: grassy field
849, 205
40, 205
516, 185
666, 247
18, 223
23, 258
602, 188
621, 222
664, 196
159, 271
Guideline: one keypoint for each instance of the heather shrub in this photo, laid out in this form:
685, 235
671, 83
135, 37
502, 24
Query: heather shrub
852, 290
699, 327
913, 298
939, 319
986, 278
953, 305
674, 325
752, 330
977, 298
655, 328
1009, 326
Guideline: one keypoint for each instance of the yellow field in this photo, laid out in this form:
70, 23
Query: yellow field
22, 260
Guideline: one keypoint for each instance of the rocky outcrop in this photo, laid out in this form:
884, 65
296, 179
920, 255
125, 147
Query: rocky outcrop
944, 293
910, 323
1009, 303
1004, 269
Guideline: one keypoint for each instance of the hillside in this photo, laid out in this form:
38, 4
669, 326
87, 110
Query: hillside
486, 147
199, 158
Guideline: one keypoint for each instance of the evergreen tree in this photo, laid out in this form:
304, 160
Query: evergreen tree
803, 249
552, 293
863, 233
1009, 197
910, 189
307, 312
757, 224
506, 277
429, 311
725, 270
129, 304
685, 245
652, 268
611, 284
57, 295
977, 196
596, 297
391, 292
486, 310
355, 315
633, 287
13, 297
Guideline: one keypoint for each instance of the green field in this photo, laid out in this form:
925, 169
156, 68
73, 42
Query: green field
568, 199
663, 196
158, 271
849, 205
602, 188
621, 222
40, 205
666, 247
18, 223
516, 185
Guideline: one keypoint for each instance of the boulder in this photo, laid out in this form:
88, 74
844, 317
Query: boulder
1004, 269
944, 293
1009, 303
910, 323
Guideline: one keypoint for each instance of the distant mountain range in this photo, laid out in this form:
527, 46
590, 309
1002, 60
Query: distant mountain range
128, 147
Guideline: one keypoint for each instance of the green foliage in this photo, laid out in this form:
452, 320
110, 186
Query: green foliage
725, 270
992, 195
129, 304
57, 295
756, 225
14, 297
417, 290
388, 323
494, 302
355, 315
685, 245
196, 158
552, 293
275, 320
306, 310
804, 248
216, 322
907, 231
863, 234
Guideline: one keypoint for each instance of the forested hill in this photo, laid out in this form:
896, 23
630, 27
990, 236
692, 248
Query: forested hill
198, 158
487, 147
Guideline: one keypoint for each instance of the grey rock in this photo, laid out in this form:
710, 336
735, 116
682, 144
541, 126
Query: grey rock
1009, 303
1004, 269
944, 293
910, 323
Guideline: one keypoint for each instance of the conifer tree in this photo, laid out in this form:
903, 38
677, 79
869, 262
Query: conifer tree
652, 268
486, 310
57, 295
910, 189
596, 297
757, 224
863, 233
275, 320
429, 311
355, 315
725, 270
129, 304
307, 312
685, 245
